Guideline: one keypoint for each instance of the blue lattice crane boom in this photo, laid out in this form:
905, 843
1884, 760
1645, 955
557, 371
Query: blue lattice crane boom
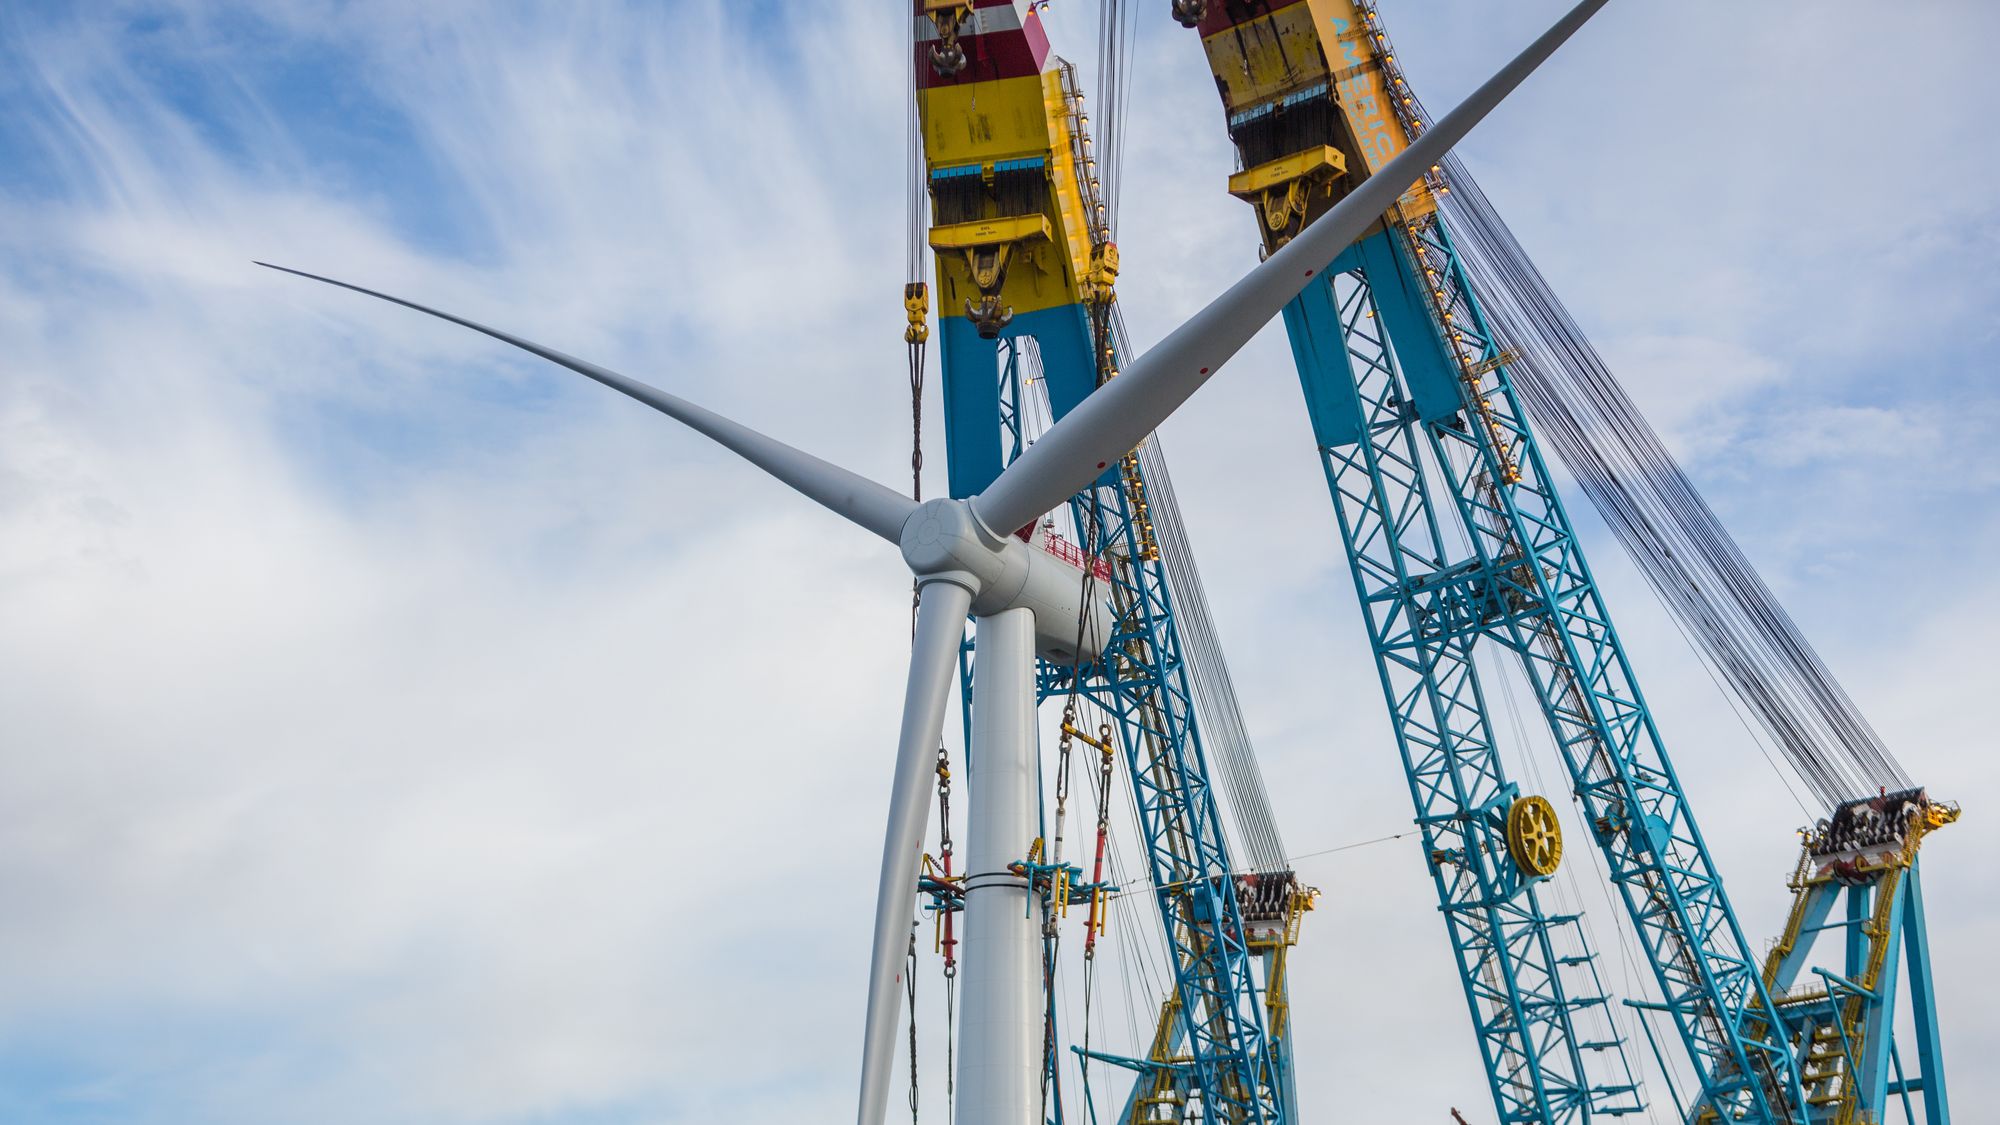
1865, 851
1023, 259
1460, 544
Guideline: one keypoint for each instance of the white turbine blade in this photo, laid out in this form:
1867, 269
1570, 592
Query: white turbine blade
933, 656
1109, 423
876, 507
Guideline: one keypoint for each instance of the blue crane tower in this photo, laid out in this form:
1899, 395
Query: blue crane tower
1025, 272
1414, 375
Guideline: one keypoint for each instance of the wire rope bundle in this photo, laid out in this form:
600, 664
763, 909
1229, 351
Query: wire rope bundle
1729, 613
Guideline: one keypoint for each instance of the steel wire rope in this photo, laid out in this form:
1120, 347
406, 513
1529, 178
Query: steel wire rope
1224, 731
1214, 693
915, 242
1124, 891
1221, 728
1760, 621
1215, 690
1054, 995
1747, 636
1760, 698
1043, 413
1087, 535
914, 245
1116, 32
910, 987
1101, 799
1152, 955
1694, 566
1631, 952
1145, 958
1138, 957
1034, 412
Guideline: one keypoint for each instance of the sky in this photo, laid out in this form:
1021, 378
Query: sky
399, 729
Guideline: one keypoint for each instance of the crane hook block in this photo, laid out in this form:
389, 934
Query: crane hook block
1099, 283
917, 303
949, 17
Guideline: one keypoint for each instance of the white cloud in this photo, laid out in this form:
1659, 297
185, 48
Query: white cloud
1850, 436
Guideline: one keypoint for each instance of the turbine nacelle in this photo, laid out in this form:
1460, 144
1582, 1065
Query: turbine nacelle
945, 541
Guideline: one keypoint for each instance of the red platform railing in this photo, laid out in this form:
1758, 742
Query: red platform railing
1073, 555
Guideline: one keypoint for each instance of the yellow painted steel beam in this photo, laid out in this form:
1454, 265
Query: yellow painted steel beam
990, 232
1320, 161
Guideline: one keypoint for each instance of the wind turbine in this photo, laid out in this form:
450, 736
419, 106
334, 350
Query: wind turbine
1026, 603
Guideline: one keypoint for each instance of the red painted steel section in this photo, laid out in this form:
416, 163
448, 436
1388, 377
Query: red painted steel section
1015, 52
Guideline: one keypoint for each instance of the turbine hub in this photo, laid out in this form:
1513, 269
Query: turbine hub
943, 541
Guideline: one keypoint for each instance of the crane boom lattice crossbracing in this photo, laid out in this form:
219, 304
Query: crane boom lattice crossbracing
1459, 543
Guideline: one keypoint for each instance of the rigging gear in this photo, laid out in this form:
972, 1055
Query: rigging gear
948, 16
988, 267
947, 941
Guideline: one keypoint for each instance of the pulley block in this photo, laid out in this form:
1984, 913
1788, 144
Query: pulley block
1534, 837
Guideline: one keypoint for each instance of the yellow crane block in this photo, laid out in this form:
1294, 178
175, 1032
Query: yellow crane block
1309, 76
1012, 228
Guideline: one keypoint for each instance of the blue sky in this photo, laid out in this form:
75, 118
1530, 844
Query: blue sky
398, 731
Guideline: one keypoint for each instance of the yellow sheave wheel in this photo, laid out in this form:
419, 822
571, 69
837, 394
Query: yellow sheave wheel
1534, 837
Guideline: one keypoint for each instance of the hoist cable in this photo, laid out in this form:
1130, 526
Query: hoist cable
1737, 625
915, 241
1115, 32
1696, 568
1224, 735
1569, 889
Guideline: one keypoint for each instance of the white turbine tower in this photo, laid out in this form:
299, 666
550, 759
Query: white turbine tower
1026, 603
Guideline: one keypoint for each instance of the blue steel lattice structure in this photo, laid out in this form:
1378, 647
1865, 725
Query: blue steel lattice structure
1521, 583
1553, 618
1528, 975
1225, 1057
1864, 858
1417, 419
1460, 547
